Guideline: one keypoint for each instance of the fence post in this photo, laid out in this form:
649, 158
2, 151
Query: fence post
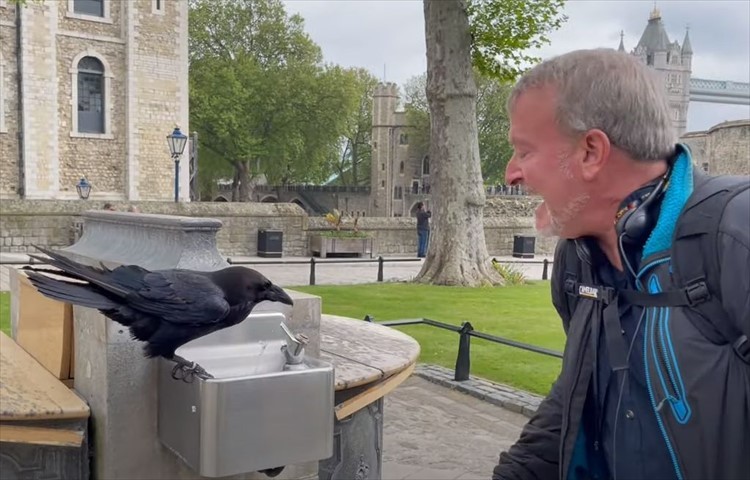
380, 268
312, 270
463, 360
544, 270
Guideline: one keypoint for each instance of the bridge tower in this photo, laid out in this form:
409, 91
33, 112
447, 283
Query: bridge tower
673, 63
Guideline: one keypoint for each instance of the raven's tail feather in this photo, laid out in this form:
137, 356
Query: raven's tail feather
82, 272
75, 293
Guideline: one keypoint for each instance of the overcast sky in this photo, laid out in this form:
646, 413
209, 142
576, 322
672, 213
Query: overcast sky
387, 37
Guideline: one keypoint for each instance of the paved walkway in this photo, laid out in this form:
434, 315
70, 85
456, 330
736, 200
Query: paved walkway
432, 433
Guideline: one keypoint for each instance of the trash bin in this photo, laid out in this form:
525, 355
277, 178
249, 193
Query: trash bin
523, 246
269, 243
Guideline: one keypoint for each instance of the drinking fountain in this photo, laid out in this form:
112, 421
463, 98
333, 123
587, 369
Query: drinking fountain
268, 404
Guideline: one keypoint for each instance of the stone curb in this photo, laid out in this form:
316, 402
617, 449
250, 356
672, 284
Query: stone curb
518, 401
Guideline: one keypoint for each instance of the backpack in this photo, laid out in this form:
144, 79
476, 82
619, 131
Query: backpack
695, 265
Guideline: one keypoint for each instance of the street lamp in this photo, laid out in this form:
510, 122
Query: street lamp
176, 141
83, 187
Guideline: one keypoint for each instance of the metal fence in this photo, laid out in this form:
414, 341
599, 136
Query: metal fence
465, 332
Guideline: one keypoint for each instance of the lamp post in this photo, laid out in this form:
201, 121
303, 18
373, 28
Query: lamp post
176, 141
83, 187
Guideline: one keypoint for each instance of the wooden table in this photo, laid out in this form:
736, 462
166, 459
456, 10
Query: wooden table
370, 360
43, 423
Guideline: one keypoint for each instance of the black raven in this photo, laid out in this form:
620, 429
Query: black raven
164, 308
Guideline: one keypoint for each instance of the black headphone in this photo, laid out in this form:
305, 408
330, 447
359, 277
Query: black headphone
636, 222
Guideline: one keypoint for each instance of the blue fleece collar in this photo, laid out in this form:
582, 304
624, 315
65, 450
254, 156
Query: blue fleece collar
678, 191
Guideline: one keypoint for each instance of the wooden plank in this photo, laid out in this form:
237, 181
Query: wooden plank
372, 394
384, 350
29, 391
41, 436
348, 373
44, 327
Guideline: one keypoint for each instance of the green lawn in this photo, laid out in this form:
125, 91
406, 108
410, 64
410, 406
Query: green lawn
523, 313
5, 312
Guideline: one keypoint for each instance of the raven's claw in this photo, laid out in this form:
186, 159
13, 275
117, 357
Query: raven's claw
187, 373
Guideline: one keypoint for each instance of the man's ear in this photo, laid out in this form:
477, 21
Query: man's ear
596, 146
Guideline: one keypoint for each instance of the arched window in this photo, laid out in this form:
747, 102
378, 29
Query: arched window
90, 96
426, 166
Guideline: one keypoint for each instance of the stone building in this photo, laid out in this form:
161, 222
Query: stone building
91, 88
400, 176
723, 149
673, 63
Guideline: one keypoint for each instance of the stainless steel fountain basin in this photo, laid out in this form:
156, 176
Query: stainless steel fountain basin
253, 414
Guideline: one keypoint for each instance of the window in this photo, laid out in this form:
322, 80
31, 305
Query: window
89, 7
705, 167
415, 187
90, 95
382, 166
401, 168
90, 10
403, 139
91, 78
398, 193
157, 6
382, 184
426, 166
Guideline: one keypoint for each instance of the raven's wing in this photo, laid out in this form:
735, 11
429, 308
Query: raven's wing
175, 296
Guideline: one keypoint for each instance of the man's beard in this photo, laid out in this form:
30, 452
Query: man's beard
549, 224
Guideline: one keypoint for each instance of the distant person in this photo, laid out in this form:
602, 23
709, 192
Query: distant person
110, 207
423, 230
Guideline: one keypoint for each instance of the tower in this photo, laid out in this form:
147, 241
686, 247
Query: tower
384, 102
672, 62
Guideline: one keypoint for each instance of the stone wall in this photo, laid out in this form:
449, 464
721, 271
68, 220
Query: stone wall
724, 148
729, 147
9, 180
50, 223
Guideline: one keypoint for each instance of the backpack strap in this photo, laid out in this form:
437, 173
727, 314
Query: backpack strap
695, 263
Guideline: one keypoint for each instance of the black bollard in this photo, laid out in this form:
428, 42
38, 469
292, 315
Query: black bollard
463, 360
544, 270
380, 269
312, 270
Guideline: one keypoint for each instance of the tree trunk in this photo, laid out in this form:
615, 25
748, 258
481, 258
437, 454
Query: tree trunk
241, 181
457, 253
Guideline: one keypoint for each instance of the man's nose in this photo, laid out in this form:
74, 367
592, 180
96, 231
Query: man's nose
513, 174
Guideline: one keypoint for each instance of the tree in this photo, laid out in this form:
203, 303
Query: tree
492, 122
260, 97
500, 30
353, 167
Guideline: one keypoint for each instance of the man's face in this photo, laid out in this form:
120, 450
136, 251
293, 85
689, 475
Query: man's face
544, 161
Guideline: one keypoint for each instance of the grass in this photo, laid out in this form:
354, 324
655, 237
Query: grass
5, 312
518, 312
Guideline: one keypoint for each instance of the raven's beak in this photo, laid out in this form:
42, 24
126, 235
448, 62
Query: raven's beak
276, 294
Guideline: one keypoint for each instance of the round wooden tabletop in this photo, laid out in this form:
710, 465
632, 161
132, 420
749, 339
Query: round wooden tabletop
363, 352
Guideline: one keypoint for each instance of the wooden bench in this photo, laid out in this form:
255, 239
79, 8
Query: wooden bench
370, 360
43, 424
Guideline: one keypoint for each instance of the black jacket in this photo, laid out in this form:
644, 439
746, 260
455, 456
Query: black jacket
700, 389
